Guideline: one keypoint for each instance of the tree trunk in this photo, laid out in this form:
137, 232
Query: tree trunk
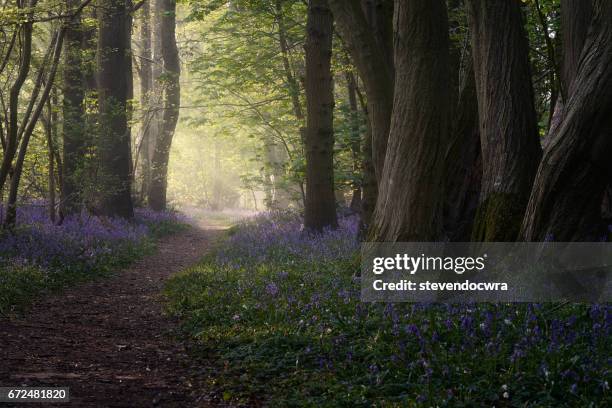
409, 206
13, 105
463, 163
74, 117
566, 199
146, 89
576, 18
53, 58
370, 55
172, 102
320, 210
508, 124
355, 143
113, 147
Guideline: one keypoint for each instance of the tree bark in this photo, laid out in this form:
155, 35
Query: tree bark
320, 209
355, 143
113, 147
74, 142
28, 127
576, 18
463, 163
13, 114
146, 89
566, 199
409, 205
370, 55
172, 102
508, 124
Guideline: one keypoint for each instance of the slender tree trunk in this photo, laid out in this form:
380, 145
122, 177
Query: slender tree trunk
146, 88
355, 145
28, 127
113, 150
409, 206
508, 124
74, 142
320, 210
172, 102
13, 106
565, 203
48, 125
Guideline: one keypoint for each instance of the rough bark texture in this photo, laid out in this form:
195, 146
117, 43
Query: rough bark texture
369, 54
73, 135
172, 103
566, 199
463, 172
575, 22
508, 124
320, 209
113, 147
409, 206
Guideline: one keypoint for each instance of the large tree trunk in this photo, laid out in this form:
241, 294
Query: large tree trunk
74, 117
463, 163
508, 124
172, 102
567, 194
320, 209
368, 45
576, 18
409, 206
113, 147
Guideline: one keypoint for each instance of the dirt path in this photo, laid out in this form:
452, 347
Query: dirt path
109, 340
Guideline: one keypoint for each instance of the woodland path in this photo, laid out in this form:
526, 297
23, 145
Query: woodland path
109, 340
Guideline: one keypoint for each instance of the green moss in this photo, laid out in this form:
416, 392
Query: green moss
498, 218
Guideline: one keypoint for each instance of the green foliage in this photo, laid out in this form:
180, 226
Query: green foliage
285, 330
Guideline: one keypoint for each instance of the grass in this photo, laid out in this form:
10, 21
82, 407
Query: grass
279, 322
40, 258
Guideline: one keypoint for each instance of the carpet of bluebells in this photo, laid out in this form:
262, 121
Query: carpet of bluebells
40, 255
277, 316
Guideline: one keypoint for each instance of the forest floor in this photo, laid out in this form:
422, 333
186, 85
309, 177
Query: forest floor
109, 340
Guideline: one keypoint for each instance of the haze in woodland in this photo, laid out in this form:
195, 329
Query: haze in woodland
290, 131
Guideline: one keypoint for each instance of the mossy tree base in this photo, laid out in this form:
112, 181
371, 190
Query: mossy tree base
498, 218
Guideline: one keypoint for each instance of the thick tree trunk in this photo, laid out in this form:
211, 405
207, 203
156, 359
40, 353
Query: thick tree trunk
113, 147
508, 124
172, 102
576, 18
74, 118
463, 163
566, 199
320, 209
369, 51
409, 205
